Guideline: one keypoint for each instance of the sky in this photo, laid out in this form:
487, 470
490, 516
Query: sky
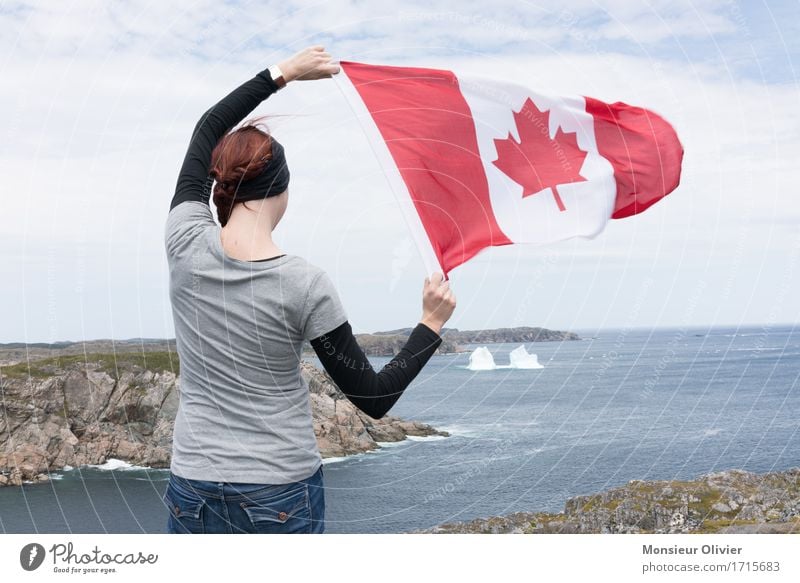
99, 100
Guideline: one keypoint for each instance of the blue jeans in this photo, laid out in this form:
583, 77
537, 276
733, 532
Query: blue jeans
198, 506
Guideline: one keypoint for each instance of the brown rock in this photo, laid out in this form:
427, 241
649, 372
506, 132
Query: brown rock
80, 414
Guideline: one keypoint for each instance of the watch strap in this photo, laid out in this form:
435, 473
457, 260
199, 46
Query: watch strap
277, 76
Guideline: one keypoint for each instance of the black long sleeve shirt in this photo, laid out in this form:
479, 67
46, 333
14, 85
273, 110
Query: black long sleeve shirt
374, 393
338, 351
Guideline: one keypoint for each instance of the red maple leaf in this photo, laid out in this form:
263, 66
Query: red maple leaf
537, 162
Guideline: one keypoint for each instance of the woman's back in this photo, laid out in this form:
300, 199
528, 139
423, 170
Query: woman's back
244, 455
244, 414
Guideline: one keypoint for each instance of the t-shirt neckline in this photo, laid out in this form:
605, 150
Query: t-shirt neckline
265, 263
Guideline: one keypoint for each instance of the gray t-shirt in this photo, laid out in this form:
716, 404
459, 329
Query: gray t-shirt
244, 413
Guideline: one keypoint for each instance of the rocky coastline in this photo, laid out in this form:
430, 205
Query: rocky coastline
78, 409
730, 501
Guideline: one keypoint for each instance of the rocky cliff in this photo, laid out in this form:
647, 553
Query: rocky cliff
732, 501
83, 409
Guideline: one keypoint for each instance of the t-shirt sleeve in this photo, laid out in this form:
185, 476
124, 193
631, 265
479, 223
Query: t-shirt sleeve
323, 310
183, 225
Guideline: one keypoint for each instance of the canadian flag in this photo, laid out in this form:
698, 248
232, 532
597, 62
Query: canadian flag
479, 162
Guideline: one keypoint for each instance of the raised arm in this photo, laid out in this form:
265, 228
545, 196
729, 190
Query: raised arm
376, 393
194, 183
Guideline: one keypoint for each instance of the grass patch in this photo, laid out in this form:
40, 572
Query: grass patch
113, 364
595, 502
713, 525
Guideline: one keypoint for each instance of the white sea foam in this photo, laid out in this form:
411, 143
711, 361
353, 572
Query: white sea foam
425, 437
382, 446
385, 444
115, 464
333, 460
540, 449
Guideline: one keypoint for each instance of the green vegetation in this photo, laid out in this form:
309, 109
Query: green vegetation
112, 364
545, 519
717, 524
707, 499
596, 501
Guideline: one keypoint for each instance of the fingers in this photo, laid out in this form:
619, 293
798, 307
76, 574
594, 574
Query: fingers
438, 287
328, 69
436, 278
438, 300
313, 62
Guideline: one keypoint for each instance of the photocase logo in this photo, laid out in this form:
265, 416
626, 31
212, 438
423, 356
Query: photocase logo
31, 556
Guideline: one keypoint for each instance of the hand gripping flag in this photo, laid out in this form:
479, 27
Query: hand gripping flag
479, 162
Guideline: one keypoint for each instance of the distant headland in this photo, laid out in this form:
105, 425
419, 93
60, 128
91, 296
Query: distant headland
389, 342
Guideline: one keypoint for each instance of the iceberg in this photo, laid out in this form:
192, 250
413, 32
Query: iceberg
481, 359
519, 358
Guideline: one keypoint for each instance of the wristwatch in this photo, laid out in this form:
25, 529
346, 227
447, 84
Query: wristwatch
277, 76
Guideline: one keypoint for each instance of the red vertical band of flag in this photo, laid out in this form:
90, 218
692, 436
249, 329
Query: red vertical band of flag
644, 150
429, 131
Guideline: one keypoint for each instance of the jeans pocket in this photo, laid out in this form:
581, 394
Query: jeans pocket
185, 511
285, 511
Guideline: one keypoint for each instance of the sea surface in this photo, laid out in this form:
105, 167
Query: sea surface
615, 406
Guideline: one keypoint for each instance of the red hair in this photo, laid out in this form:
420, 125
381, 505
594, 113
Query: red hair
238, 157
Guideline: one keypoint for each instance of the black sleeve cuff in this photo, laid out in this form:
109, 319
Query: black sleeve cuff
266, 76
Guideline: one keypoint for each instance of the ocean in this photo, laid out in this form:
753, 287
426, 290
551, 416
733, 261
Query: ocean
616, 406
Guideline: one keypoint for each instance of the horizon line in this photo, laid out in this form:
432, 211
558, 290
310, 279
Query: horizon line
761, 325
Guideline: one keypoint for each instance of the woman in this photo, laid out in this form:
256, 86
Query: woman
245, 458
